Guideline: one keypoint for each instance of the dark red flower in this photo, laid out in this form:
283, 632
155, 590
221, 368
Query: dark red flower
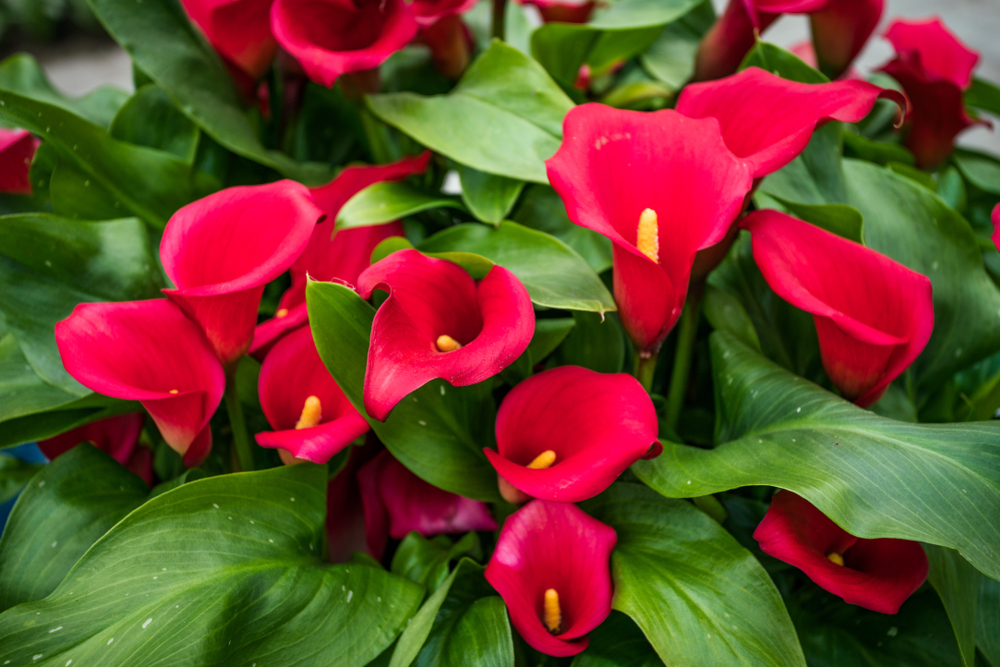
564, 11
397, 502
428, 12
439, 323
116, 436
875, 574
873, 315
334, 255
768, 120
345, 512
240, 30
565, 434
551, 567
840, 30
148, 351
662, 187
934, 67
17, 149
311, 417
334, 37
220, 251
995, 218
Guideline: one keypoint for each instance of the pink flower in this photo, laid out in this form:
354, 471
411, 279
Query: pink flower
662, 187
116, 436
567, 433
311, 417
220, 251
17, 149
428, 12
551, 567
840, 30
240, 30
148, 351
440, 323
875, 574
345, 512
564, 11
995, 219
334, 37
934, 67
873, 315
397, 502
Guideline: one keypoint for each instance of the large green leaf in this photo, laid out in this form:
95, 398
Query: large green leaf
221, 571
427, 561
14, 473
563, 48
957, 583
988, 620
384, 202
487, 196
785, 64
553, 273
699, 597
164, 44
542, 209
48, 265
149, 118
71, 503
504, 117
147, 182
874, 476
618, 642
438, 431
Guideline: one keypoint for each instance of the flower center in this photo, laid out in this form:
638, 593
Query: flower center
543, 460
312, 412
281, 313
648, 238
447, 344
552, 614
173, 391
834, 557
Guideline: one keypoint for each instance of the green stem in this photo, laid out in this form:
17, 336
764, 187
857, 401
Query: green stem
645, 367
244, 452
686, 335
499, 16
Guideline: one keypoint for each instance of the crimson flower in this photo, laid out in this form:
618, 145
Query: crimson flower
440, 323
17, 148
873, 315
311, 417
564, 11
551, 567
934, 67
995, 218
116, 436
345, 514
661, 186
334, 37
840, 30
768, 120
148, 351
428, 12
875, 574
397, 502
334, 255
220, 251
567, 433
240, 30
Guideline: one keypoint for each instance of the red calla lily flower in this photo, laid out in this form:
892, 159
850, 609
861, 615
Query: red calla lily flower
768, 120
334, 37
345, 512
148, 351
428, 12
220, 251
873, 315
311, 417
440, 323
17, 149
875, 574
397, 502
240, 30
662, 187
551, 567
335, 255
564, 11
116, 436
934, 67
840, 30
566, 433
995, 218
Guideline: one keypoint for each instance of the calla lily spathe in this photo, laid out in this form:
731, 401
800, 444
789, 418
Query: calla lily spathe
240, 30
17, 149
117, 436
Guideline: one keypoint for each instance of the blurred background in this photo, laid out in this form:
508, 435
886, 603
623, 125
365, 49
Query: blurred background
78, 57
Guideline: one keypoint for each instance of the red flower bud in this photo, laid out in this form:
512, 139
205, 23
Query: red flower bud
17, 149
116, 436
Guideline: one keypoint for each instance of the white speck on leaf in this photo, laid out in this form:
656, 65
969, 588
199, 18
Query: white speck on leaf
55, 629
422, 423
110, 640
148, 621
798, 409
54, 544
292, 499
350, 594
893, 631
215, 506
41, 484
36, 657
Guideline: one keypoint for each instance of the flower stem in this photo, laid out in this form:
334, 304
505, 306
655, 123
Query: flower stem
645, 367
499, 15
686, 336
239, 425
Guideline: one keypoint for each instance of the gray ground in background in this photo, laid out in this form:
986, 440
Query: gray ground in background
83, 63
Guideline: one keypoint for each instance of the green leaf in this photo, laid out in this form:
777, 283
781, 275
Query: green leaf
627, 14
14, 472
880, 152
563, 48
988, 620
147, 182
49, 265
596, 342
618, 642
488, 197
59, 516
504, 117
22, 74
981, 169
224, 570
957, 583
387, 201
549, 334
425, 561
438, 431
699, 597
553, 273
463, 623
164, 45
984, 95
936, 483
839, 219
725, 312
543, 210
785, 64
149, 118
671, 57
